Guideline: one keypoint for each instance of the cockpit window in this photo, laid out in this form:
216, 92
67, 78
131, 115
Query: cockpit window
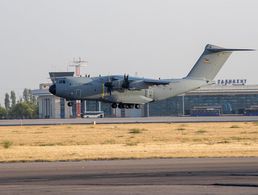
61, 81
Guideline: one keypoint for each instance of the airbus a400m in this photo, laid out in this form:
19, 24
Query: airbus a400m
123, 91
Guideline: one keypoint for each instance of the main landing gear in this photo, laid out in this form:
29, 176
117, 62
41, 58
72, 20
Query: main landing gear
126, 106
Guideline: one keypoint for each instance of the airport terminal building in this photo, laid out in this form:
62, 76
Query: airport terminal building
227, 97
212, 100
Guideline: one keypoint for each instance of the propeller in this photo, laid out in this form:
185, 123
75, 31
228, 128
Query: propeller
109, 86
126, 82
117, 84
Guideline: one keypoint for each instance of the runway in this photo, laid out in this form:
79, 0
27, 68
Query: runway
128, 120
150, 176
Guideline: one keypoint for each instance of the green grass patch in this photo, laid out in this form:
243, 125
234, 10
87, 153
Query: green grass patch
234, 126
38, 132
235, 138
7, 144
135, 131
197, 140
180, 129
255, 123
45, 127
109, 141
223, 142
132, 143
48, 144
201, 131
15, 131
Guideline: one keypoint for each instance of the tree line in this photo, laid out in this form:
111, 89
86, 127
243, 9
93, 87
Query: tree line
24, 108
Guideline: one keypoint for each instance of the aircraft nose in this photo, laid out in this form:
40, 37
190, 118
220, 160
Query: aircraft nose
52, 89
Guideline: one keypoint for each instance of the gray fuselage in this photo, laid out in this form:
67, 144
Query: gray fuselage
85, 88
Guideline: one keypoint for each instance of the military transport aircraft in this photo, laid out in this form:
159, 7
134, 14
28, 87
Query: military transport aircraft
127, 92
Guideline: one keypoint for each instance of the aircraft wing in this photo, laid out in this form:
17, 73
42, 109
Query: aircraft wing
135, 83
146, 83
155, 82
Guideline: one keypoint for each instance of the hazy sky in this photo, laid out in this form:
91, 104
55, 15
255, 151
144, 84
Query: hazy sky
159, 38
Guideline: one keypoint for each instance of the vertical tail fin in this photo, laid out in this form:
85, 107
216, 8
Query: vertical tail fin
210, 62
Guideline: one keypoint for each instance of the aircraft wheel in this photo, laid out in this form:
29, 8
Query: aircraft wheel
114, 105
137, 106
120, 106
131, 106
127, 106
70, 104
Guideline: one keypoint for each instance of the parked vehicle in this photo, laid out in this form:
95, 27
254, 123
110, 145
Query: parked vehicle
93, 114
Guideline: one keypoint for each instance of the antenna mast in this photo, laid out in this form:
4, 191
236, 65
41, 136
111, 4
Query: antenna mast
78, 63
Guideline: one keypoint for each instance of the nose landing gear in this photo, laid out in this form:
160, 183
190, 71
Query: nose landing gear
70, 104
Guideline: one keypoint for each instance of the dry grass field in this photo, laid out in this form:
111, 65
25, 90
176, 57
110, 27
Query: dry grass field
81, 142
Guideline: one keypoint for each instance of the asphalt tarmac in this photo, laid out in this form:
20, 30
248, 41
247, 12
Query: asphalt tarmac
150, 176
128, 120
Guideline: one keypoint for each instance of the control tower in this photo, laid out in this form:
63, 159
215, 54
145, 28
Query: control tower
78, 63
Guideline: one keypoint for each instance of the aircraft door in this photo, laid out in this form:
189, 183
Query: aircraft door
78, 93
149, 93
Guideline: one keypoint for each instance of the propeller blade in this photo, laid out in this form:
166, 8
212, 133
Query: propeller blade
109, 86
126, 82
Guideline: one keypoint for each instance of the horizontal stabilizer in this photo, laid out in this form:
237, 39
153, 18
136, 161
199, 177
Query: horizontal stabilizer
220, 49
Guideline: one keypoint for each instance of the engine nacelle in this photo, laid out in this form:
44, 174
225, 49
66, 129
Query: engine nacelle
117, 84
138, 85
